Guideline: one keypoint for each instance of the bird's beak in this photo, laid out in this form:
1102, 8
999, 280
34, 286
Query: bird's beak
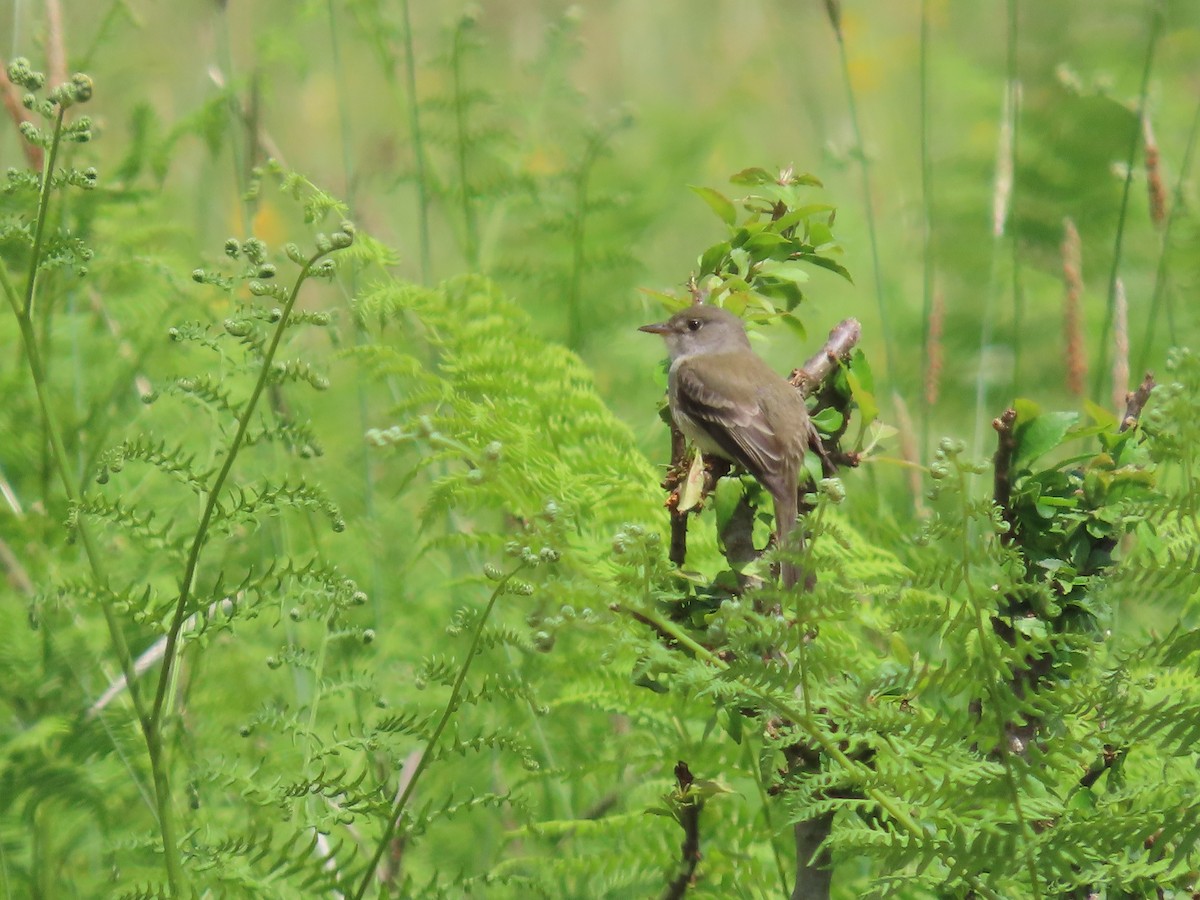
655, 328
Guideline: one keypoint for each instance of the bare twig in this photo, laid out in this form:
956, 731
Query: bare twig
1072, 270
814, 872
689, 808
1006, 446
1135, 402
678, 519
838, 346
1108, 758
1120, 364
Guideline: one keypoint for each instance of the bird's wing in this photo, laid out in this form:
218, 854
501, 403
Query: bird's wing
743, 431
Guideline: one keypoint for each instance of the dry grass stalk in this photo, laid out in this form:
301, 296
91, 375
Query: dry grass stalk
1002, 193
1120, 369
56, 52
1155, 187
1072, 268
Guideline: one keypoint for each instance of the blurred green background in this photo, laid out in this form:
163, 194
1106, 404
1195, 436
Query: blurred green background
647, 98
557, 144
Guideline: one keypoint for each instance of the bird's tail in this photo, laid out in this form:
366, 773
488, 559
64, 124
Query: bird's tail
786, 511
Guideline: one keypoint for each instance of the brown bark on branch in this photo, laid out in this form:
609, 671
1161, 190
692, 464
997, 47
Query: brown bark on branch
1135, 402
837, 348
689, 821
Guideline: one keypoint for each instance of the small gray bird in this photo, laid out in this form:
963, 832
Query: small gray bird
732, 404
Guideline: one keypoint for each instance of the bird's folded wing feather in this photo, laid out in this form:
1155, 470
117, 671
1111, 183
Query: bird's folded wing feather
742, 431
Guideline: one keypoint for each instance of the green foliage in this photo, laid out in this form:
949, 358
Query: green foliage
320, 580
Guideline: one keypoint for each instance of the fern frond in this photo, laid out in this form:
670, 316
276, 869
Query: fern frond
173, 459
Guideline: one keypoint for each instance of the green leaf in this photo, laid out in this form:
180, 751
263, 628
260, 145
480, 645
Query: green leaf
707, 788
788, 271
806, 178
1083, 800
860, 364
1041, 435
796, 326
671, 303
717, 202
877, 433
731, 721
764, 240
740, 260
726, 497
820, 234
799, 214
1100, 415
861, 381
828, 420
713, 259
789, 293
752, 177
826, 263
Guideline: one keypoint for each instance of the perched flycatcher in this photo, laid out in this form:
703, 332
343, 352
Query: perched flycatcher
732, 404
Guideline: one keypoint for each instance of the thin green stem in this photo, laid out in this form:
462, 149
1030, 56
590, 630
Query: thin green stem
418, 142
869, 207
927, 227
1156, 23
23, 310
579, 217
470, 229
43, 207
1014, 242
193, 559
448, 712
798, 613
765, 804
1160, 273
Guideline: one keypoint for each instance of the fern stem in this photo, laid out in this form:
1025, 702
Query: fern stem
800, 598
210, 505
23, 310
418, 142
43, 207
1156, 24
448, 712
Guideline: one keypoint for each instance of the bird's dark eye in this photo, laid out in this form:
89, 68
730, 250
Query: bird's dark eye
694, 324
